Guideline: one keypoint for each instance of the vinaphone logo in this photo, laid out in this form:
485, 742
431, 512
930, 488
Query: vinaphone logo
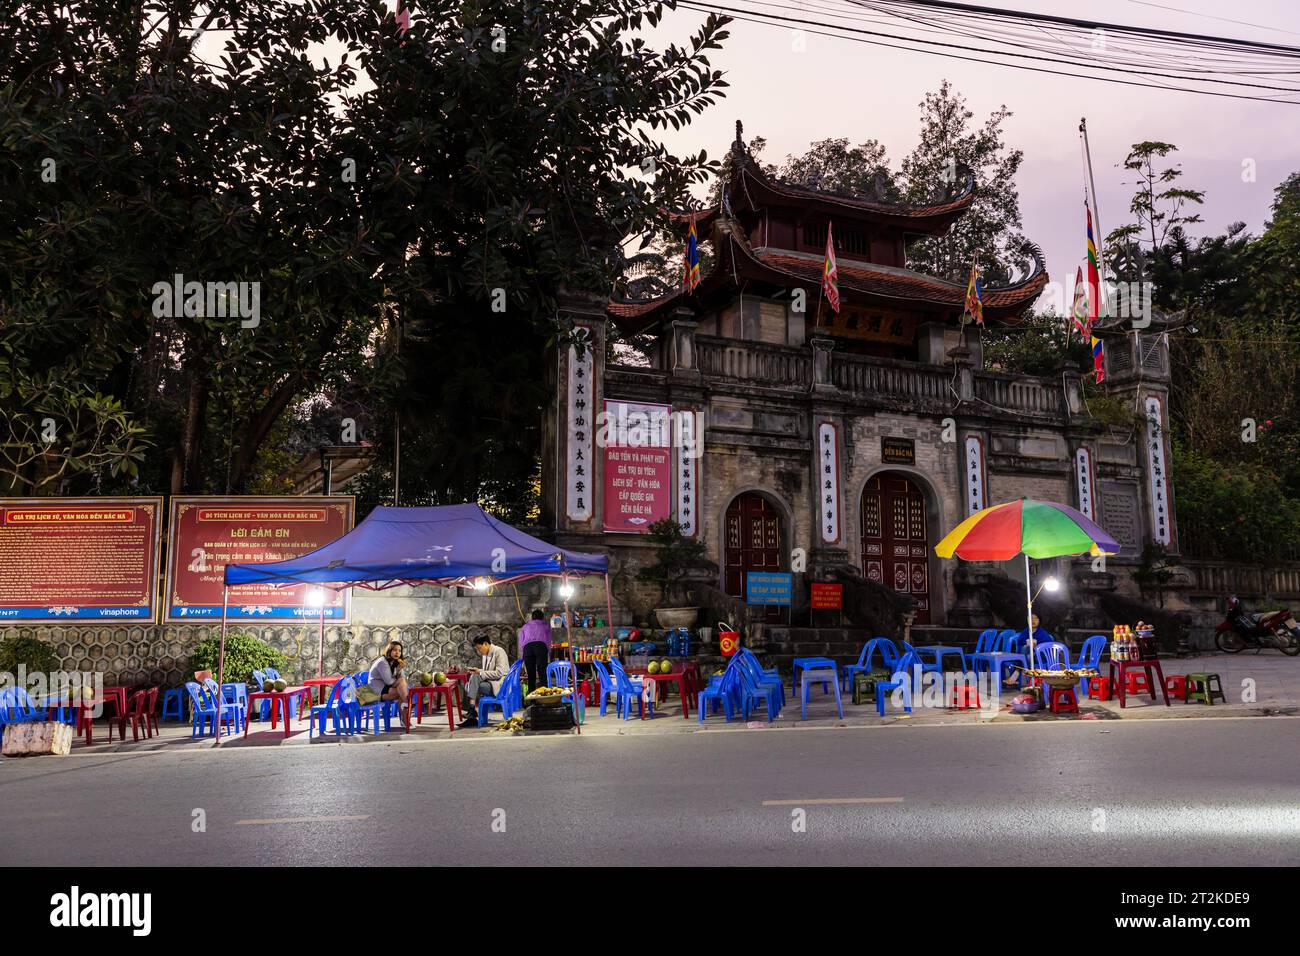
75, 909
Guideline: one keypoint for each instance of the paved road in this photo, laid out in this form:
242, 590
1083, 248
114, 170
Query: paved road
1149, 792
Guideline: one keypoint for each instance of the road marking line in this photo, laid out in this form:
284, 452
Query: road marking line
830, 801
364, 816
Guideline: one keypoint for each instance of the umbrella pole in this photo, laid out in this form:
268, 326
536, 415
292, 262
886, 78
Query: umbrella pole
1029, 617
221, 656
609, 609
320, 660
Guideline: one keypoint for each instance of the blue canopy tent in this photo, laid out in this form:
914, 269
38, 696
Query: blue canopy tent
451, 545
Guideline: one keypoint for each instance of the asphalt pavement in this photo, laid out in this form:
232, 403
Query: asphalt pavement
1082, 793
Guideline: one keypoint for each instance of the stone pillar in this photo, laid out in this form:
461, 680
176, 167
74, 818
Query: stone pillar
1073, 387
965, 374
682, 361
822, 345
573, 479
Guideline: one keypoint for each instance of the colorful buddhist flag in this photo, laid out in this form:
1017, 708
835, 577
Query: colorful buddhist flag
975, 294
1079, 311
692, 258
1098, 358
1094, 280
831, 273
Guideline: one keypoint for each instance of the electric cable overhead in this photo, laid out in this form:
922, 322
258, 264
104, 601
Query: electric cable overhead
1061, 46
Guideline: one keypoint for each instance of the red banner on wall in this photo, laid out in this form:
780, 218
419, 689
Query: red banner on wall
637, 443
827, 597
83, 559
206, 534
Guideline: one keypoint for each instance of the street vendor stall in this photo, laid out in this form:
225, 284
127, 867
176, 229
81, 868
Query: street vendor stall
451, 545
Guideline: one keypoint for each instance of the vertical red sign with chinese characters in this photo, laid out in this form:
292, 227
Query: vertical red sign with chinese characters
206, 534
636, 439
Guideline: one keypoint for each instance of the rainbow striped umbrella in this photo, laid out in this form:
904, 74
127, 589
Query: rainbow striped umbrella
1036, 529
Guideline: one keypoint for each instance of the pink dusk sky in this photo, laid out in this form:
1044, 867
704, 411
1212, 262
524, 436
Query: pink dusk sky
839, 88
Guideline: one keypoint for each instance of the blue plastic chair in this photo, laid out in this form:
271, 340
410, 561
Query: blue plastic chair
174, 703
371, 714
505, 699
900, 680
724, 690
17, 707
231, 711
757, 675
205, 708
236, 693
754, 691
888, 654
335, 707
607, 686
629, 689
559, 674
1051, 656
259, 680
1089, 659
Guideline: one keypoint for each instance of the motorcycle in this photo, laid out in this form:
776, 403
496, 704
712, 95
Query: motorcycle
1240, 630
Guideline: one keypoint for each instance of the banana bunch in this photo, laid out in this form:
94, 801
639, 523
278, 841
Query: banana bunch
513, 725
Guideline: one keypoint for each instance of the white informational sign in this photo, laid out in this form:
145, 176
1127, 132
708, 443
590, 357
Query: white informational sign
579, 462
828, 469
689, 442
1157, 477
1083, 481
975, 497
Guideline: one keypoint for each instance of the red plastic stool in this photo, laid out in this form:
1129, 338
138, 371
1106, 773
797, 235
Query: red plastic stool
1176, 686
1064, 701
964, 696
1099, 688
1137, 682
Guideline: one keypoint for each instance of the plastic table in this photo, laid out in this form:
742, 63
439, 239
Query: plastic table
1000, 660
1120, 686
85, 712
681, 678
279, 700
940, 651
323, 683
810, 663
432, 691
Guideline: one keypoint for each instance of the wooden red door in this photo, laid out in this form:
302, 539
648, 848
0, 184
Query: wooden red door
753, 543
895, 541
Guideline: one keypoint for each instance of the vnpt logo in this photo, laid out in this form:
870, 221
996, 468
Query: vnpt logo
76, 909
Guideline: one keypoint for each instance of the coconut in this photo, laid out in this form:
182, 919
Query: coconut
426, 679
440, 678
281, 685
268, 686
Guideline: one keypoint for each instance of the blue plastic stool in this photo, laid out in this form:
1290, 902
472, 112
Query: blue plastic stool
811, 676
174, 703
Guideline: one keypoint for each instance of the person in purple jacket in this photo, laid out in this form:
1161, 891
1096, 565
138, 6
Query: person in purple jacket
535, 648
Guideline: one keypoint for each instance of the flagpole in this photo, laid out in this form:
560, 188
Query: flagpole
1096, 210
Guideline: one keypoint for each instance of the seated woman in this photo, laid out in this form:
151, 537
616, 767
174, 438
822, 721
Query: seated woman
387, 682
1041, 637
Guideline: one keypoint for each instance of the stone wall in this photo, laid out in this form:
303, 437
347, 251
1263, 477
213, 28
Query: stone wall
435, 626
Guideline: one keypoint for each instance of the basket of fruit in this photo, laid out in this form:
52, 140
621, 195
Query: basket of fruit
546, 695
1065, 678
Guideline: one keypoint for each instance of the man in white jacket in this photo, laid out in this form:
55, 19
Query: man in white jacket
486, 679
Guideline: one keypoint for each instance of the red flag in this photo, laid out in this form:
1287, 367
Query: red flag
830, 273
975, 294
403, 19
1079, 311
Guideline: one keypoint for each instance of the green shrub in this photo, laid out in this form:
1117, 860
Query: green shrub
38, 656
244, 654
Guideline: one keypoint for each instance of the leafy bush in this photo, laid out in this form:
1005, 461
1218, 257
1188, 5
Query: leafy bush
1236, 512
244, 654
675, 555
36, 655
